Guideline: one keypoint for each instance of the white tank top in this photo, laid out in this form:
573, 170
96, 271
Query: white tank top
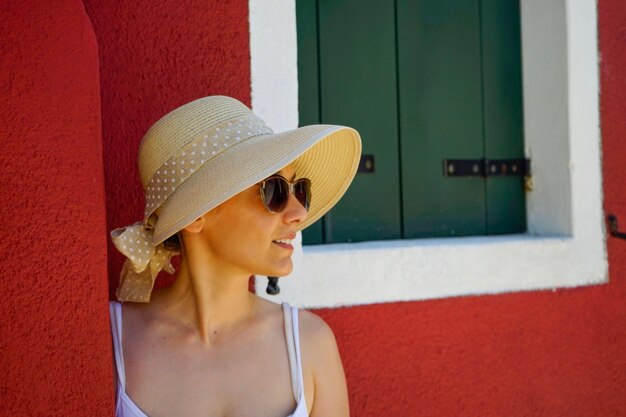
125, 407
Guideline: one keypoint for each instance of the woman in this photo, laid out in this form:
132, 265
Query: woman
228, 195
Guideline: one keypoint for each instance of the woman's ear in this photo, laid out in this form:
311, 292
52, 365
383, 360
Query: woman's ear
196, 226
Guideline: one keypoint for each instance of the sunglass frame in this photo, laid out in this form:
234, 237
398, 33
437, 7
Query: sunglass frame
291, 190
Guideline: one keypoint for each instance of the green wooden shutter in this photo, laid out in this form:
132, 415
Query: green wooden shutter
422, 81
358, 88
356, 80
308, 87
503, 112
441, 115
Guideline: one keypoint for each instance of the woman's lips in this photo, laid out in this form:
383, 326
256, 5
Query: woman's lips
287, 246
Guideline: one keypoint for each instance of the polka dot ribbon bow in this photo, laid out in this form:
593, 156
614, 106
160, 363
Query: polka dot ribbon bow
143, 262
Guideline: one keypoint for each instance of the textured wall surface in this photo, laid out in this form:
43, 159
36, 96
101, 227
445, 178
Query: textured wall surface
55, 348
154, 57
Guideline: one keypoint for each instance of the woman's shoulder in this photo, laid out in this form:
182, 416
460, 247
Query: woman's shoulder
313, 328
315, 334
317, 339
136, 318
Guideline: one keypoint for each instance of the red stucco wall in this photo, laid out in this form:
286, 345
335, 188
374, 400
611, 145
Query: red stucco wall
54, 341
155, 56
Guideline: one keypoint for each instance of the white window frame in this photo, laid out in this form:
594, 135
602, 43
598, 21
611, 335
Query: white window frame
565, 243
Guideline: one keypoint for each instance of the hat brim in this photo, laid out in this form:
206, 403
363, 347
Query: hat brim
327, 155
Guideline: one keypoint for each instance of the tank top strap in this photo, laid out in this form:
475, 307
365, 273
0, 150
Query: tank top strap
292, 336
115, 311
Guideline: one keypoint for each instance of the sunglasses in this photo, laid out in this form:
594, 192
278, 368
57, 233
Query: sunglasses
275, 192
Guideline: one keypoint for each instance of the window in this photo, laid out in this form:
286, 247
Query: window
564, 245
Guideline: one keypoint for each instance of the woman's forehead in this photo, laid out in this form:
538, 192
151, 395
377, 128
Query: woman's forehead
288, 172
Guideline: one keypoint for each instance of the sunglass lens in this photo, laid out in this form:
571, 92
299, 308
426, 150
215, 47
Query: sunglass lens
276, 194
302, 191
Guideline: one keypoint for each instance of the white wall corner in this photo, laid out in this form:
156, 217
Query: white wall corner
585, 134
273, 62
546, 134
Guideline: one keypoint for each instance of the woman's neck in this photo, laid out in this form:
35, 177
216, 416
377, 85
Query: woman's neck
209, 297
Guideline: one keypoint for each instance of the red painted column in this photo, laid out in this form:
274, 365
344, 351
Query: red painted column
54, 332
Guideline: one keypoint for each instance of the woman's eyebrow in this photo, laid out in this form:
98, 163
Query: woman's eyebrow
293, 178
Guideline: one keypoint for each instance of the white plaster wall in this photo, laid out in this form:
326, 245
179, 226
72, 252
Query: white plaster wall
273, 61
545, 75
565, 246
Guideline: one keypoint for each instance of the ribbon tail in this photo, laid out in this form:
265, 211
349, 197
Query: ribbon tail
135, 286
169, 268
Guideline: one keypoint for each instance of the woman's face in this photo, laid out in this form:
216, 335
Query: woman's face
241, 233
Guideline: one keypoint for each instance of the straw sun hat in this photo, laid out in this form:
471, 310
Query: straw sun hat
205, 152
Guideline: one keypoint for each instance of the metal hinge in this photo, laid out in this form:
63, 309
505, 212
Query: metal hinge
366, 164
485, 167
489, 168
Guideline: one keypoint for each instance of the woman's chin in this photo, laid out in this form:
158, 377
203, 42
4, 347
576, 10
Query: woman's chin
281, 270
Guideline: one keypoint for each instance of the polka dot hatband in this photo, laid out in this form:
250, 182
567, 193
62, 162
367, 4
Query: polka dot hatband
205, 147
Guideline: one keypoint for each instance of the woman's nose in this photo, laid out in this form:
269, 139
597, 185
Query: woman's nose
294, 211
